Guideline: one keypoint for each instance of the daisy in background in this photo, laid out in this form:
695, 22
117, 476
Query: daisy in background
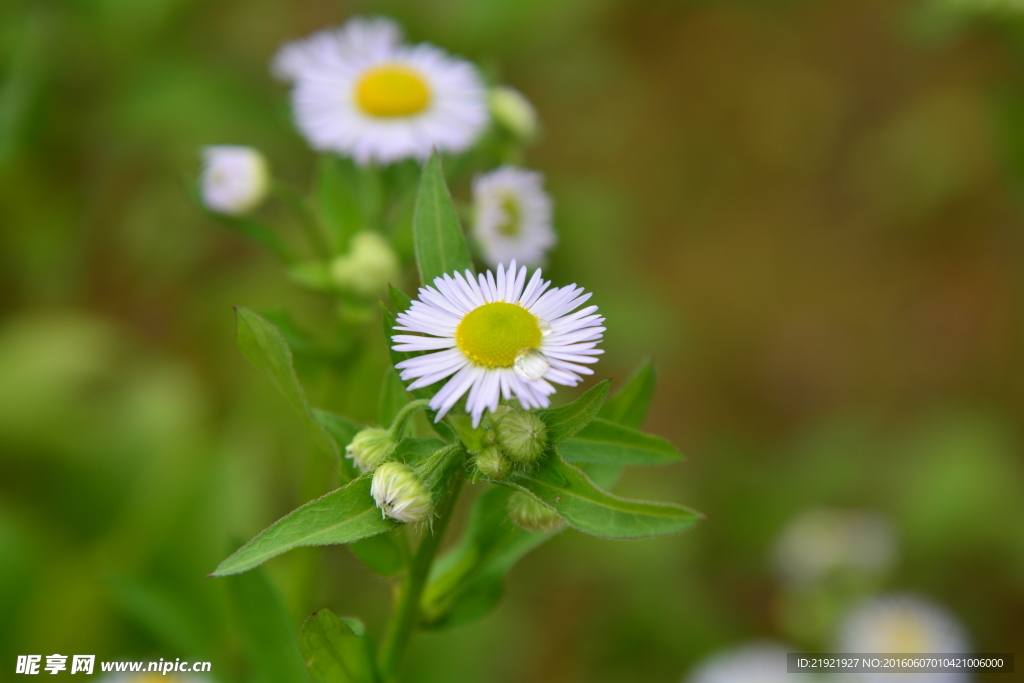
512, 216
753, 663
822, 540
902, 624
500, 337
359, 91
234, 179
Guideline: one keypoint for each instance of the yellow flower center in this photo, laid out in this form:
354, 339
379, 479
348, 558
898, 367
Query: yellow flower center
392, 90
493, 335
510, 226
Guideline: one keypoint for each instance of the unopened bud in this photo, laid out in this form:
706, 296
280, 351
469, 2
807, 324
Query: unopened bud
532, 515
511, 110
400, 494
521, 435
368, 267
370, 448
234, 179
491, 463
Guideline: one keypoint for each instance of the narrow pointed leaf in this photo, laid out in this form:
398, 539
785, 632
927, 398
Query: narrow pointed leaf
631, 402
602, 441
467, 582
566, 421
342, 516
334, 651
342, 431
399, 299
265, 348
392, 398
439, 242
583, 506
268, 637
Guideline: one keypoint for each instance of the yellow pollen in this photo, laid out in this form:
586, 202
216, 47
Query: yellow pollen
392, 90
493, 335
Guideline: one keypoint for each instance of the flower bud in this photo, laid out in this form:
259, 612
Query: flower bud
234, 179
521, 435
511, 110
531, 515
370, 448
400, 494
368, 267
491, 463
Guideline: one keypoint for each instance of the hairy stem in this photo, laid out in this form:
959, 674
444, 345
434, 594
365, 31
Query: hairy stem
407, 606
398, 425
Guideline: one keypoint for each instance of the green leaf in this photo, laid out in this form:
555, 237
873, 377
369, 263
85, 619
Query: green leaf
440, 245
467, 583
342, 516
631, 402
584, 507
342, 431
414, 451
268, 637
337, 196
566, 421
399, 299
265, 348
393, 397
602, 441
334, 651
382, 553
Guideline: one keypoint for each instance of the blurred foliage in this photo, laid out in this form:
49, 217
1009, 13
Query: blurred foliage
810, 211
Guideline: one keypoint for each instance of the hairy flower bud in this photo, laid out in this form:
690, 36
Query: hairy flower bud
491, 463
367, 267
234, 179
521, 435
370, 447
531, 515
513, 111
400, 494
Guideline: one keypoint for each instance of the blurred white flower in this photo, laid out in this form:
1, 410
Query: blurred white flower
360, 92
902, 624
753, 663
234, 179
822, 540
512, 216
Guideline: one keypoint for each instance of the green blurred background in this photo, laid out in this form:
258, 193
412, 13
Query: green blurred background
808, 211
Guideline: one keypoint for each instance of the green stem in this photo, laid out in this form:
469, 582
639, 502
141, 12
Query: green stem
407, 608
309, 225
398, 424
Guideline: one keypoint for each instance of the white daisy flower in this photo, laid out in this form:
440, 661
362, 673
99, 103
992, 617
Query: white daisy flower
500, 337
512, 216
360, 92
902, 624
822, 540
234, 179
360, 37
753, 663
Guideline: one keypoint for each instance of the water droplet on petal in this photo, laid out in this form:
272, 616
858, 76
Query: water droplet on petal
531, 364
545, 327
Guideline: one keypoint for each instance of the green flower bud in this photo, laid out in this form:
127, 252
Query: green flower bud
400, 494
521, 435
511, 110
531, 515
491, 463
368, 267
370, 448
